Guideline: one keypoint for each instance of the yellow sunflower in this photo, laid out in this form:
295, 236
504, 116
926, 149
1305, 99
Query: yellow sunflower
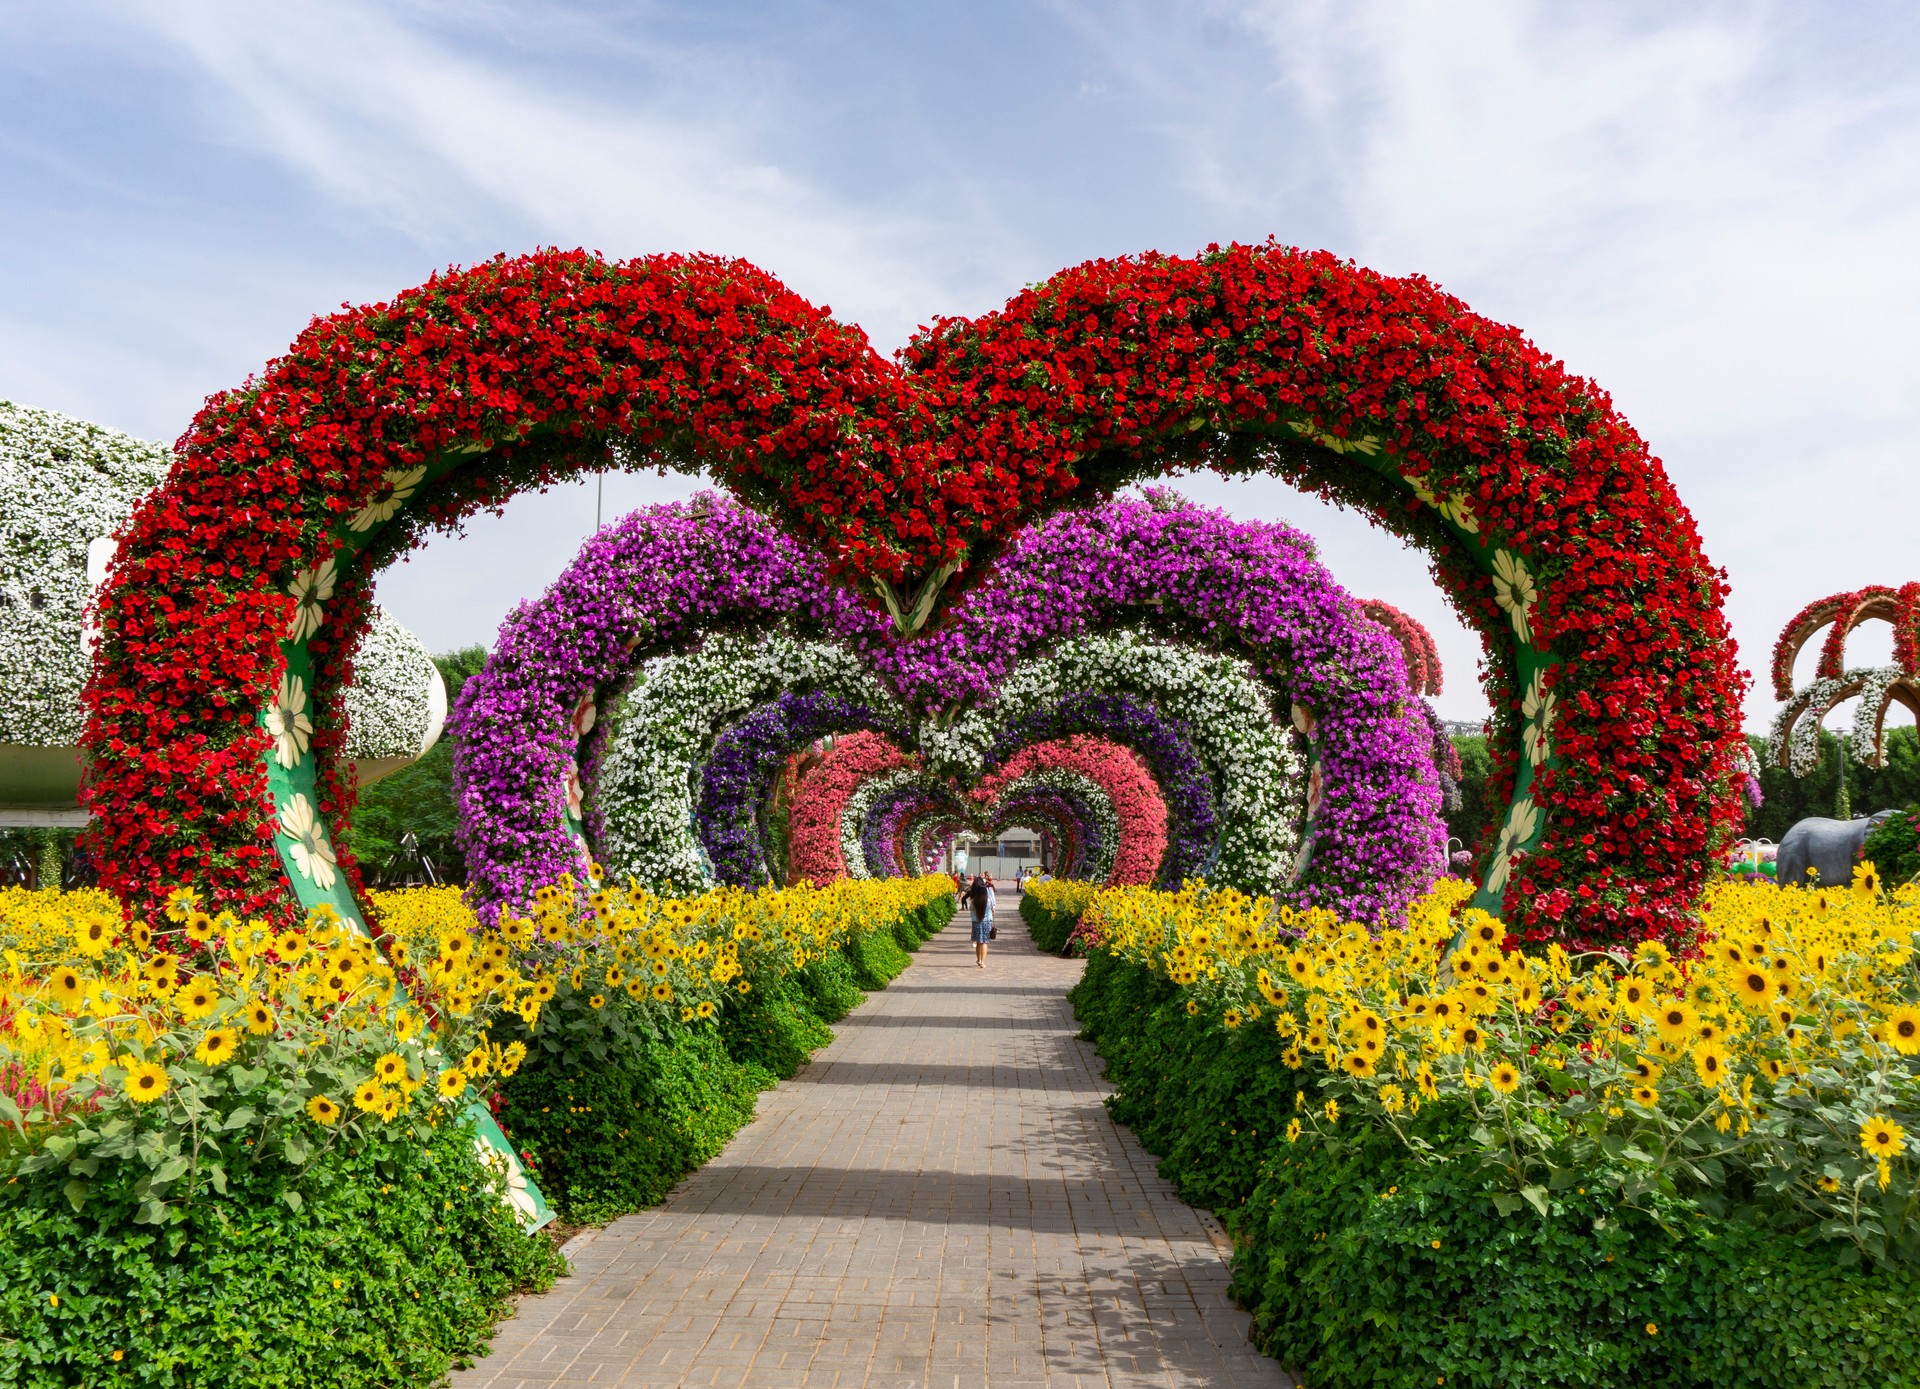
67, 985
146, 1081
452, 1083
322, 1110
1903, 1029
1710, 1061
1881, 1138
196, 998
217, 1047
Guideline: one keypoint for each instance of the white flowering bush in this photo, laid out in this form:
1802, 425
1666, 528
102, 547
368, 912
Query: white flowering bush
642, 795
64, 484
1259, 779
66, 488
397, 701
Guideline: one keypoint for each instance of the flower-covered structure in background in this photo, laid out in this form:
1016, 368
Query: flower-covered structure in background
1553, 528
1139, 814
1424, 678
816, 846
67, 488
1795, 739
1104, 621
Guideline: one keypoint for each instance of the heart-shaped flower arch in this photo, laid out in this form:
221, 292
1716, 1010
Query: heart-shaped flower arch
1553, 529
1197, 576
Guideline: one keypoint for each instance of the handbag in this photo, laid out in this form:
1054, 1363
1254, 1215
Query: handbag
993, 933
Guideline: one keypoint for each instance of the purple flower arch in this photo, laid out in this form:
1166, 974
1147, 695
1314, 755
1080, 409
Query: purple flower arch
659, 578
739, 774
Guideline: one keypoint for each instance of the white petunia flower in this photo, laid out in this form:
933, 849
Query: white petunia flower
1513, 590
396, 485
287, 721
1522, 821
311, 852
309, 589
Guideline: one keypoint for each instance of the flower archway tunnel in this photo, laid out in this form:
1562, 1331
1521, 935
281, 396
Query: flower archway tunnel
1553, 529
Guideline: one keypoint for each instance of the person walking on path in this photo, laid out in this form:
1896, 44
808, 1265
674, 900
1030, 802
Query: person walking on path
980, 899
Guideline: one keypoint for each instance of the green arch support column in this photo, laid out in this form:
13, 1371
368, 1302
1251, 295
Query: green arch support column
301, 835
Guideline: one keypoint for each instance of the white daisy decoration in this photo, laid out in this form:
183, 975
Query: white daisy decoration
396, 485
1513, 590
309, 589
513, 1179
1366, 445
311, 852
1522, 821
287, 721
1455, 507
1538, 708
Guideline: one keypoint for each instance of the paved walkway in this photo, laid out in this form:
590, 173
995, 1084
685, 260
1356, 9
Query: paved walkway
938, 1199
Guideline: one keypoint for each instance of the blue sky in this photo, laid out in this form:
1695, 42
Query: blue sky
1713, 210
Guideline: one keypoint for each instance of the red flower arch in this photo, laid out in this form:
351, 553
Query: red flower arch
1553, 529
1416, 645
1841, 614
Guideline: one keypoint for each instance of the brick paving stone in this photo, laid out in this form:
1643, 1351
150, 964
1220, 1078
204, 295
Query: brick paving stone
938, 1201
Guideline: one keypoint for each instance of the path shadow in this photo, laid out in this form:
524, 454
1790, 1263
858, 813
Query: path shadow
938, 1021
976, 1075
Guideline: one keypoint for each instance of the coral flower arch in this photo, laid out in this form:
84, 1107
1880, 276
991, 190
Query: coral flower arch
214, 730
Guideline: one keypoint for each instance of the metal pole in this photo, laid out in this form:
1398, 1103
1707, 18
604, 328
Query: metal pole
599, 493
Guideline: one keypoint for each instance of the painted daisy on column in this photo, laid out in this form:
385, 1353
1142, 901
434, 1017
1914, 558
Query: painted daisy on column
312, 854
396, 485
1522, 821
1537, 707
1513, 590
287, 721
309, 589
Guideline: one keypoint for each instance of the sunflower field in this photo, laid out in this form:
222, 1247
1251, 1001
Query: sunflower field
239, 1154
1440, 1156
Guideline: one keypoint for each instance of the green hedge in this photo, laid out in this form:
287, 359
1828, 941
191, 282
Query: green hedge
379, 1268
1048, 928
614, 1110
1364, 1267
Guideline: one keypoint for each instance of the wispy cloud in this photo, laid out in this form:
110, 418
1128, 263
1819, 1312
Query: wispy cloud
446, 132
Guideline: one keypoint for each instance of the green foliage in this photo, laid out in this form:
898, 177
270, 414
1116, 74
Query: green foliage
1369, 1261
418, 797
613, 1119
1211, 1102
831, 990
1894, 847
875, 957
1790, 799
375, 1267
774, 1028
1476, 816
1048, 927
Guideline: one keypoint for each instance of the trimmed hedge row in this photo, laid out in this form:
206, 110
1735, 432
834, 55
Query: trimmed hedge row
384, 1267
1048, 926
613, 1121
1365, 1267
389, 1266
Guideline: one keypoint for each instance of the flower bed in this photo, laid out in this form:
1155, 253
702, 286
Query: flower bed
1052, 908
1500, 1168
236, 1154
